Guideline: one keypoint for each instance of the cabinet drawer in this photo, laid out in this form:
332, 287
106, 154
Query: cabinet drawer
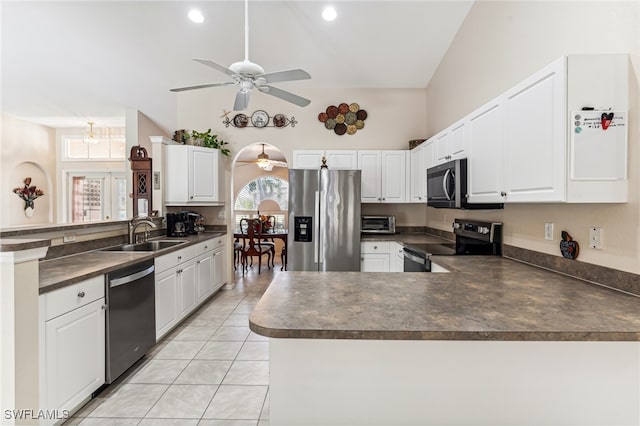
164, 262
209, 245
74, 296
375, 247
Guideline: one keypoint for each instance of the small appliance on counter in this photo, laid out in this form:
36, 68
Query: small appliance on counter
378, 224
184, 223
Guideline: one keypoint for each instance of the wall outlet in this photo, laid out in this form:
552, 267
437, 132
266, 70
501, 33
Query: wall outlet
595, 238
68, 238
221, 214
548, 231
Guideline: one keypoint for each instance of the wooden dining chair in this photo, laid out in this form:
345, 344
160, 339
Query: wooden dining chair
252, 245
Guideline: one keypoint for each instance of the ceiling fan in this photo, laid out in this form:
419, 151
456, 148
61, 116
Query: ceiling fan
264, 162
248, 75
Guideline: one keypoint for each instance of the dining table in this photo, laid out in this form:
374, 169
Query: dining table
281, 234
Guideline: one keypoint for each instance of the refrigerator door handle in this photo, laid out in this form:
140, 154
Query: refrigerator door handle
316, 241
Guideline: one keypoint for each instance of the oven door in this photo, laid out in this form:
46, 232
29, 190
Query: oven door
441, 185
415, 261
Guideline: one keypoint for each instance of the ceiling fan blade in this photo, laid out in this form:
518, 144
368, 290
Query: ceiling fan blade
203, 86
279, 163
218, 67
284, 95
288, 75
242, 100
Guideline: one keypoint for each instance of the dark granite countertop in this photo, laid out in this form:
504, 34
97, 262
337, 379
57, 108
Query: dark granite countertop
482, 298
63, 271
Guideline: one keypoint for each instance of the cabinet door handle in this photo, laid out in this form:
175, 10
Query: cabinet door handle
104, 307
81, 294
179, 258
191, 198
206, 247
375, 247
504, 194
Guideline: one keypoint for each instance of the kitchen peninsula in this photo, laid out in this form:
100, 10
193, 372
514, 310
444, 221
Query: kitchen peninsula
493, 342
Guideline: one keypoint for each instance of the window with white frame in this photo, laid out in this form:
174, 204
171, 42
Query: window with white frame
110, 146
269, 191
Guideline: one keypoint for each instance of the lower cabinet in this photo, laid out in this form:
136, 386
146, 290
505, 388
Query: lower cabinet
186, 278
73, 344
381, 256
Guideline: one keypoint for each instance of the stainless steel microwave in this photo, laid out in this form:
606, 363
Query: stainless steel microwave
378, 224
447, 187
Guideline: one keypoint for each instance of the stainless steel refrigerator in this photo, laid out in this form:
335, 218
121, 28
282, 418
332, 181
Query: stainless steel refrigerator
324, 220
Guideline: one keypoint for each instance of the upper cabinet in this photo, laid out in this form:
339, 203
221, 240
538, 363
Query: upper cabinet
384, 176
450, 144
519, 146
194, 176
336, 159
420, 159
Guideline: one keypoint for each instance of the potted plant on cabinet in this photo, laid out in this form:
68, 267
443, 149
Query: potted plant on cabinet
210, 141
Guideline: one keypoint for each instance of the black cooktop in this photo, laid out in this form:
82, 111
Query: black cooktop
438, 249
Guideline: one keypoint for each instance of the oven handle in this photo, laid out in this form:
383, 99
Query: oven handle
444, 184
129, 278
414, 258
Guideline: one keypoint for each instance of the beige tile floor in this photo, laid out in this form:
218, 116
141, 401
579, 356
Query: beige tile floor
212, 370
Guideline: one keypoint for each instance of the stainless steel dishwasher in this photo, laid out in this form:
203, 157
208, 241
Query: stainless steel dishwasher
131, 313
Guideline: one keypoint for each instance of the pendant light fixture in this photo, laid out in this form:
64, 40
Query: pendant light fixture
263, 161
90, 137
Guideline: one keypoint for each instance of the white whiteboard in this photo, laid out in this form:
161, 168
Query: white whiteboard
598, 145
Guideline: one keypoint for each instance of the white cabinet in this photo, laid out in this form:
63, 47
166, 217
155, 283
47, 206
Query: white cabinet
396, 256
384, 176
73, 344
336, 159
450, 144
194, 176
418, 175
484, 174
381, 256
518, 144
186, 278
534, 138
186, 274
210, 268
175, 288
374, 256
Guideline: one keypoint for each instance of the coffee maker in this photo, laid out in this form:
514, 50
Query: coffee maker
184, 223
176, 226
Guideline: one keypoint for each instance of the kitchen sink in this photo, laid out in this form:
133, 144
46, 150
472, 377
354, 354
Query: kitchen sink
146, 246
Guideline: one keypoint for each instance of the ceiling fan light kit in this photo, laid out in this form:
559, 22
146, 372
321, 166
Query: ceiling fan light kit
91, 137
248, 75
264, 163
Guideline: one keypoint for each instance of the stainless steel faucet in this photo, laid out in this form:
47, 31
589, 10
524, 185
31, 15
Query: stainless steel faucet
133, 225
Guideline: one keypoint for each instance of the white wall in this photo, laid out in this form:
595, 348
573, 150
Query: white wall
26, 150
501, 43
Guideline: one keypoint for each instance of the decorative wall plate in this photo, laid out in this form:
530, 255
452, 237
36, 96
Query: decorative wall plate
344, 118
259, 118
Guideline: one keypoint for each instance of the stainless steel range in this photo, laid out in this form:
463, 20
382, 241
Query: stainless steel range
472, 238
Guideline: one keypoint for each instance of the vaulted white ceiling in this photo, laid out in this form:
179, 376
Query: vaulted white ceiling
65, 63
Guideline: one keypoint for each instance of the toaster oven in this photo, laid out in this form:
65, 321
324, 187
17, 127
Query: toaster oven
378, 224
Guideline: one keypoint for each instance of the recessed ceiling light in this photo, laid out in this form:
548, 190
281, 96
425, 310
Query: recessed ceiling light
329, 13
196, 16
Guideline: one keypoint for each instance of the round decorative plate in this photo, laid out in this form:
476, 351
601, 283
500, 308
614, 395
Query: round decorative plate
354, 107
260, 118
279, 120
350, 117
340, 118
361, 114
332, 111
351, 129
330, 123
240, 120
323, 117
359, 124
343, 108
340, 129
